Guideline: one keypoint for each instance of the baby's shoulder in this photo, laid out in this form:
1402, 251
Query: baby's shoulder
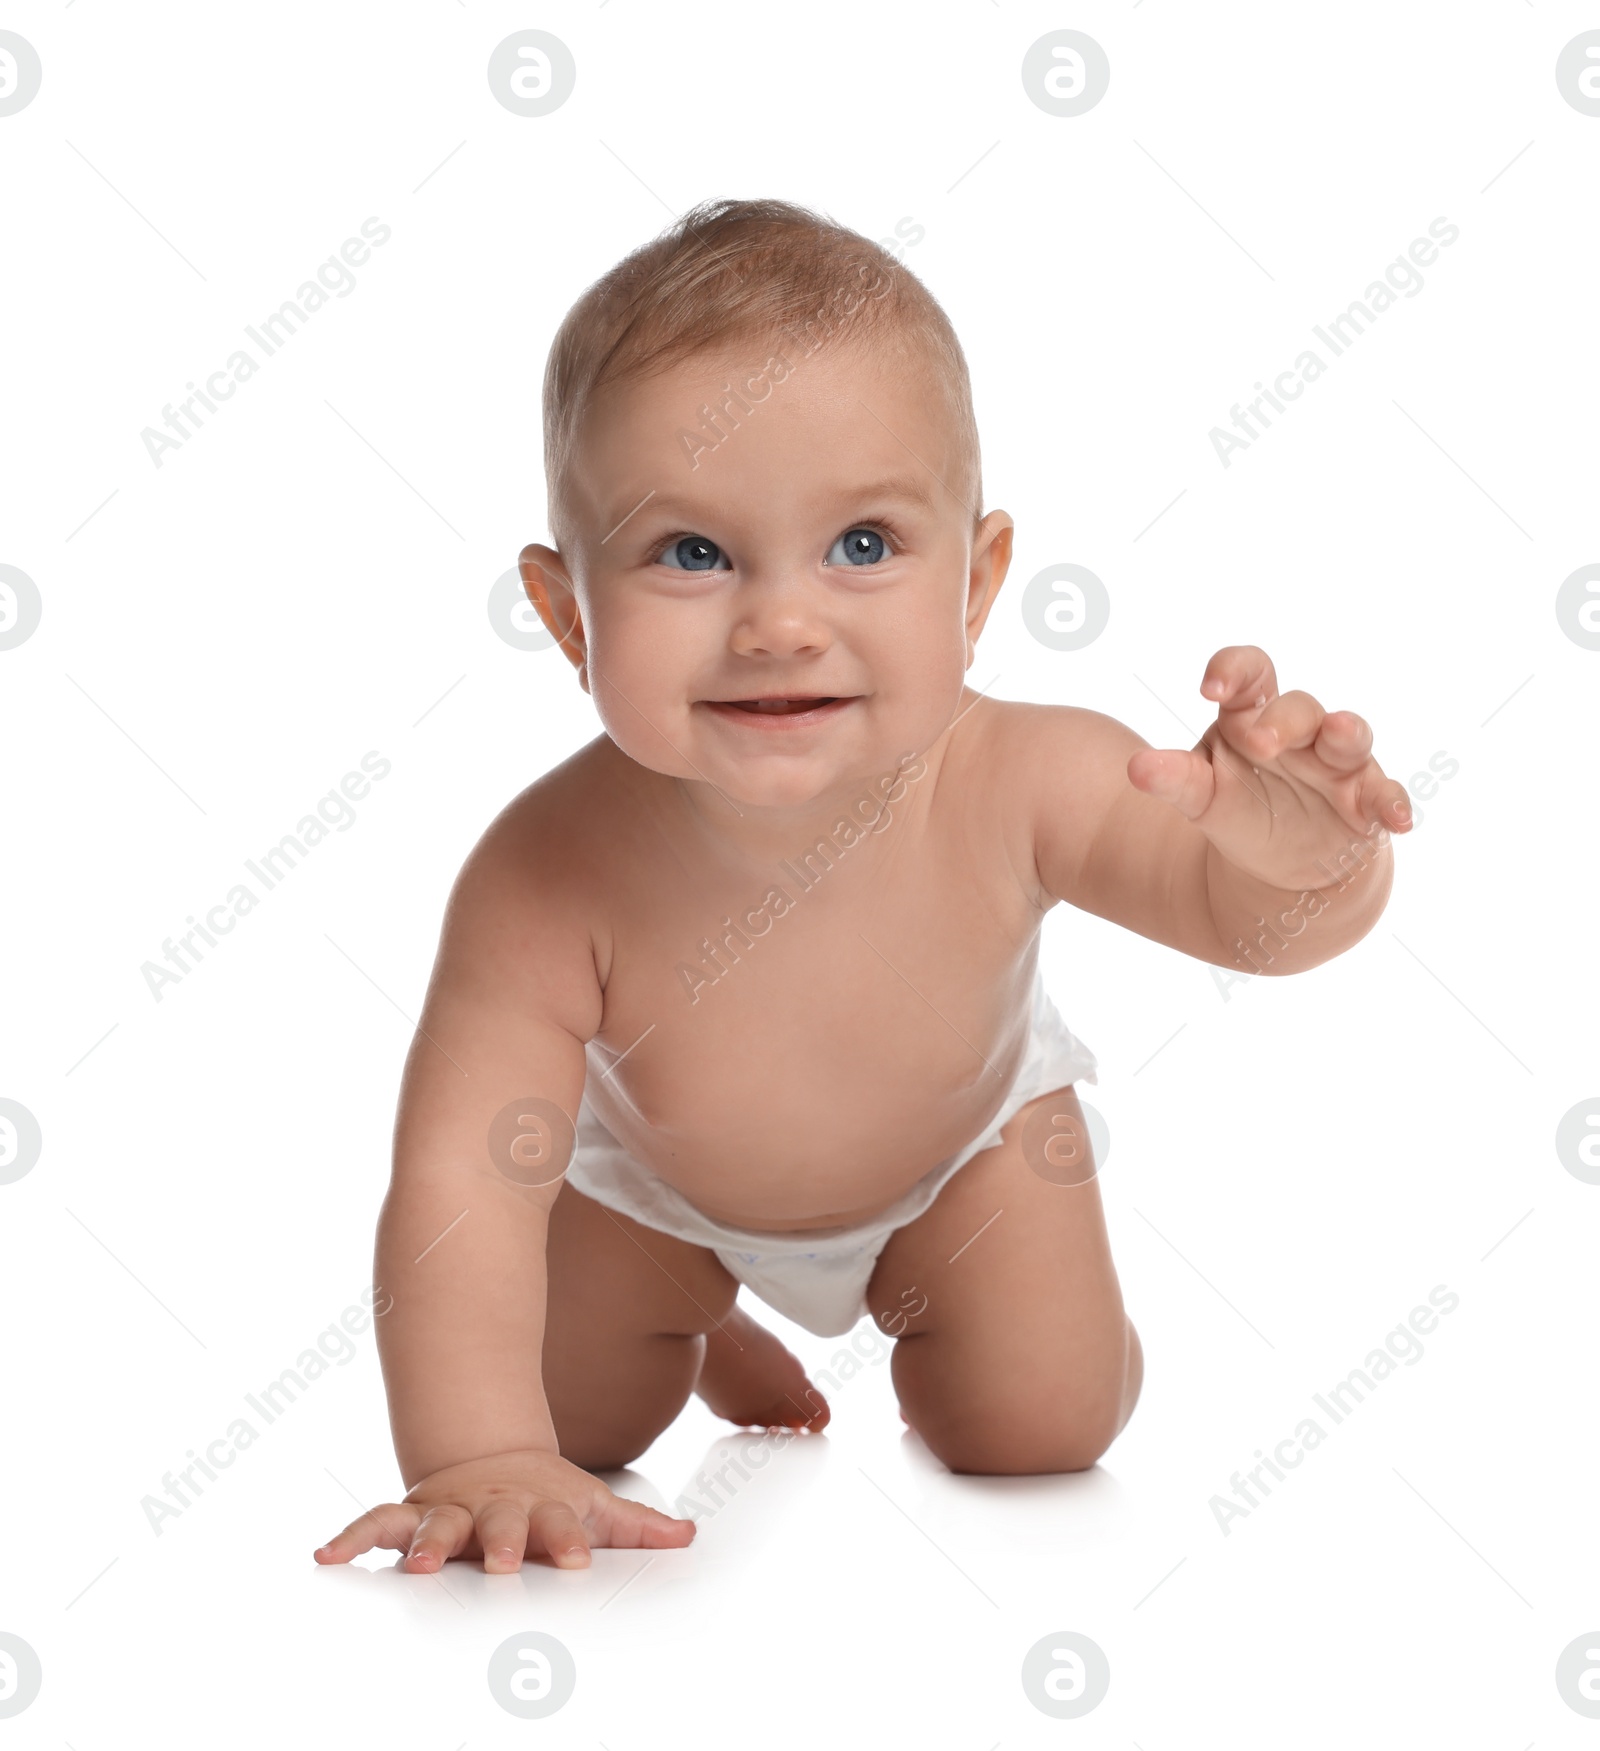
1043, 766
553, 831
1049, 776
1022, 772
1057, 745
526, 894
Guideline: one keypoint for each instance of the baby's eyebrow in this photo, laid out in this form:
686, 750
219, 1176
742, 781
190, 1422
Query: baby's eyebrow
906, 489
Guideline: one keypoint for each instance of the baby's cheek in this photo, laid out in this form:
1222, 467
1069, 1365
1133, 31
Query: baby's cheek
630, 695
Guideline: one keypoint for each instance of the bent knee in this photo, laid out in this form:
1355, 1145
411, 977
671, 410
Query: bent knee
1030, 1428
594, 1450
607, 1410
1013, 1448
608, 1442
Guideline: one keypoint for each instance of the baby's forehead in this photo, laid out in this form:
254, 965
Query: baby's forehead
751, 364
867, 404
744, 486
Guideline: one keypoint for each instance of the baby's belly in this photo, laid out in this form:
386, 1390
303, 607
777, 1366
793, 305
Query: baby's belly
770, 1132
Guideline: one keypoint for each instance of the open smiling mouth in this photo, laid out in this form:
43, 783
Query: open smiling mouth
808, 707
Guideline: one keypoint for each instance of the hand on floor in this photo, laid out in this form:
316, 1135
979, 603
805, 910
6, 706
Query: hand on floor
504, 1508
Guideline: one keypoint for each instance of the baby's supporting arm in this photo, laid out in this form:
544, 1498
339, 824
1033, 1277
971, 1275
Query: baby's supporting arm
461, 1241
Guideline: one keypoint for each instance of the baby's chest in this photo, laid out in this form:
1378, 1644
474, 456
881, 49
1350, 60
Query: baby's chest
811, 986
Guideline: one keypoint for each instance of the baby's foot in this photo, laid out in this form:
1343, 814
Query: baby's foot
751, 1379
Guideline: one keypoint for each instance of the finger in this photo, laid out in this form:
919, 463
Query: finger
630, 1525
444, 1532
1178, 776
502, 1530
1383, 802
553, 1526
1240, 677
1344, 742
387, 1527
1290, 721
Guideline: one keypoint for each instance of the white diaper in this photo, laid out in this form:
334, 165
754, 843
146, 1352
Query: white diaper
816, 1277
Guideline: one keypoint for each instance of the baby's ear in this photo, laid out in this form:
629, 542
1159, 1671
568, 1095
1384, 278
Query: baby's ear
995, 534
991, 560
549, 589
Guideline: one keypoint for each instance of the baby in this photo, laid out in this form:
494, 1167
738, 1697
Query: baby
746, 990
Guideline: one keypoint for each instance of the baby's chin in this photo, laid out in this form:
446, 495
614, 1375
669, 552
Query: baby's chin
757, 767
796, 785
786, 779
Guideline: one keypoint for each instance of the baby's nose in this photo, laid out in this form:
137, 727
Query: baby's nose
778, 620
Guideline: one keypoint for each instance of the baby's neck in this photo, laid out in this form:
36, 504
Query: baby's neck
762, 837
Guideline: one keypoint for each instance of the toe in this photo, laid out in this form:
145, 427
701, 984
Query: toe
806, 1409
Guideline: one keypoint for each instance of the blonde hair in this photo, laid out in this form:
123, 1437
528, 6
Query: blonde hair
730, 271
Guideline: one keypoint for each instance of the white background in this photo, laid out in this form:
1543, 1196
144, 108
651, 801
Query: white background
1294, 1163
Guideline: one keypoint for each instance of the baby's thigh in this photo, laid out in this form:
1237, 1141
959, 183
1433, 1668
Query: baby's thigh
1014, 1352
625, 1314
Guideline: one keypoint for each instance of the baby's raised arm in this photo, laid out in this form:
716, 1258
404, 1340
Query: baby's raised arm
491, 1085
1264, 847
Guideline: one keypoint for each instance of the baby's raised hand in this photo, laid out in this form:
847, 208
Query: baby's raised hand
1276, 783
503, 1508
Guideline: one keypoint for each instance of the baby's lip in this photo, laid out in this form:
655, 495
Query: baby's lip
770, 701
767, 707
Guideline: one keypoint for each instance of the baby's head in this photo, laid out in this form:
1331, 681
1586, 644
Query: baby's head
764, 484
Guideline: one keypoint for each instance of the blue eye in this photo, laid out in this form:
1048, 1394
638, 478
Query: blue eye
857, 547
693, 553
